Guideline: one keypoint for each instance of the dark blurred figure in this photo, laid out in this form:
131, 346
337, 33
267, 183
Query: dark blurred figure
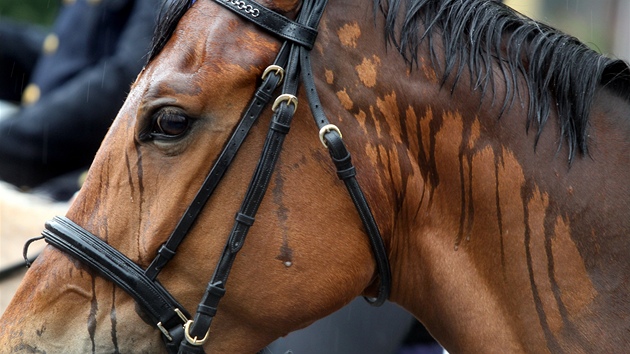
70, 83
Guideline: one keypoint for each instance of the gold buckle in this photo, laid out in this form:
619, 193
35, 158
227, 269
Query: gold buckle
279, 71
325, 129
285, 97
194, 341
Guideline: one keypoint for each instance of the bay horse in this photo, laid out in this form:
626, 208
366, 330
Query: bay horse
493, 152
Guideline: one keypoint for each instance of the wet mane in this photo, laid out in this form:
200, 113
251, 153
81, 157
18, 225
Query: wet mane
478, 34
170, 13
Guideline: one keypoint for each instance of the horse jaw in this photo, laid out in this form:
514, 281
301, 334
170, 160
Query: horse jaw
61, 307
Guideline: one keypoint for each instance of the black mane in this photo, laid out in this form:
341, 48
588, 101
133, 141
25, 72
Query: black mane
170, 13
559, 70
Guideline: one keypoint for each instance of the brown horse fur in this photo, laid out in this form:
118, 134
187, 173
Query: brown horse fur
496, 242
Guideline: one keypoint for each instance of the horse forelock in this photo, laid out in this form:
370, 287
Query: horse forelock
170, 13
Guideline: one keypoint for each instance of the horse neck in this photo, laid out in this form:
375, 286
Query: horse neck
484, 224
490, 229
406, 134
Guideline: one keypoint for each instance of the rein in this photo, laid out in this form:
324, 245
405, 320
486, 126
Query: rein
180, 333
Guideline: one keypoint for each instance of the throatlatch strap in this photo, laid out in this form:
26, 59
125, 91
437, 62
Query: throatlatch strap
346, 172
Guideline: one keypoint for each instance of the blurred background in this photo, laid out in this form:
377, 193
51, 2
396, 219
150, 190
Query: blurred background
35, 11
602, 24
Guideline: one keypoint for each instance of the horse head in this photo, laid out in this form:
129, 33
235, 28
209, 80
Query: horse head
495, 237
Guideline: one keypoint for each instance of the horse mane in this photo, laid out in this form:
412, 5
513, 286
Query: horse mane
169, 15
476, 35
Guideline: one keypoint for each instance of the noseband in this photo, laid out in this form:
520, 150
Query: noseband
180, 333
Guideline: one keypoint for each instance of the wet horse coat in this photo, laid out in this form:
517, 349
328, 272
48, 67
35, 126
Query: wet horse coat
497, 173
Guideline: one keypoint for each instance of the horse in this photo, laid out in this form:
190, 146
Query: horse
492, 151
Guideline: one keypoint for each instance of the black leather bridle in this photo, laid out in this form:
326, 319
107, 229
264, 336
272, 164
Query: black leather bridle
181, 333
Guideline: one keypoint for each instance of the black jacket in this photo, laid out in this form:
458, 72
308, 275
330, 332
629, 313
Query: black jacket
77, 85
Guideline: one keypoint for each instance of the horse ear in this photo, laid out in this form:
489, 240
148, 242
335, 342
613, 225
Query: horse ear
616, 77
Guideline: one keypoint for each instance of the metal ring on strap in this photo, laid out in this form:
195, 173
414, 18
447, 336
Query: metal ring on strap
279, 71
194, 341
325, 129
285, 97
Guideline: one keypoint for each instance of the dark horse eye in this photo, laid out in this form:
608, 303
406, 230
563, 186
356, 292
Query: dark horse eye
169, 124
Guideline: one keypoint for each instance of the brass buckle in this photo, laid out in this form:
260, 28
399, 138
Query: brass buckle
285, 97
325, 129
194, 341
279, 71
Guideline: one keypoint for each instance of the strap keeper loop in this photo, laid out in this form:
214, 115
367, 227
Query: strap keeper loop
245, 219
166, 252
347, 173
279, 127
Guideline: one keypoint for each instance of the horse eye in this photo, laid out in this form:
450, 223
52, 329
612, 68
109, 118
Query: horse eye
169, 124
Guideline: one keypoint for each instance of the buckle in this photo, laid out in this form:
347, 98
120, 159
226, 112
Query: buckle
164, 331
325, 129
194, 341
278, 70
288, 98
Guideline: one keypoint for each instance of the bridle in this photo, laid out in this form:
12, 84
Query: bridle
180, 333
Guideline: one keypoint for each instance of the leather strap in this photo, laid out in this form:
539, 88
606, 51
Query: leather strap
142, 285
157, 303
346, 172
273, 22
253, 111
246, 214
